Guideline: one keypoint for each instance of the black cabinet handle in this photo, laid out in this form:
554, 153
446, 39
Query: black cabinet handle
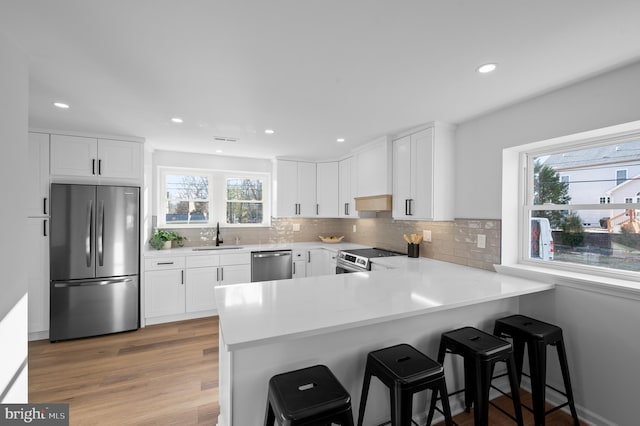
317, 209
100, 167
93, 166
182, 277
44, 228
165, 263
44, 206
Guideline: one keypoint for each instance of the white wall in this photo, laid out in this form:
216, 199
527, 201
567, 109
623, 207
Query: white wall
13, 285
600, 328
602, 101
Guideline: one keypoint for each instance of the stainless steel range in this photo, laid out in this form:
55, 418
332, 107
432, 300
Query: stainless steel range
359, 260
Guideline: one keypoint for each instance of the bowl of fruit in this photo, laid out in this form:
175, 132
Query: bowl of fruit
331, 239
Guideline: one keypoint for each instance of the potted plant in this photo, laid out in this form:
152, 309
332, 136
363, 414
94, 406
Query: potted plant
162, 238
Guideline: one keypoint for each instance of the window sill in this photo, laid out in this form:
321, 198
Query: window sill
618, 287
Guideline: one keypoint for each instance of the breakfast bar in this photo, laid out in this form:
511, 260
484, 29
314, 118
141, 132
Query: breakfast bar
272, 327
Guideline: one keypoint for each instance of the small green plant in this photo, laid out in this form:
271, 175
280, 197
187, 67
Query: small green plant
161, 236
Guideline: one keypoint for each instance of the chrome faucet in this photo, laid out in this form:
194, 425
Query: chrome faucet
218, 238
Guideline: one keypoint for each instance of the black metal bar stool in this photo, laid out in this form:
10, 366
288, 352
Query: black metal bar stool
310, 396
405, 371
537, 335
480, 351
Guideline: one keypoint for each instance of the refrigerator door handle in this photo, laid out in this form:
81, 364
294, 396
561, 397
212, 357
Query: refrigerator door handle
100, 233
63, 284
87, 243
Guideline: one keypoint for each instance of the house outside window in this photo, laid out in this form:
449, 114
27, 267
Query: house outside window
621, 176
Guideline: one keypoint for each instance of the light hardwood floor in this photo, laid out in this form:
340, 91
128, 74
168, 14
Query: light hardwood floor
159, 375
164, 374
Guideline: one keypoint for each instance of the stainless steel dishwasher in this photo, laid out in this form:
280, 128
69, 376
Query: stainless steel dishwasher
270, 265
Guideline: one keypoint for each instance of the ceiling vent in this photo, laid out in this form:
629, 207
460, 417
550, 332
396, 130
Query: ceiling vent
224, 139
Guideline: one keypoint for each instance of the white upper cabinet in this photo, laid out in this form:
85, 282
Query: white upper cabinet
423, 178
99, 159
38, 175
295, 189
327, 189
374, 168
347, 178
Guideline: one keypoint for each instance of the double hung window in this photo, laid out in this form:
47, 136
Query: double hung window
579, 208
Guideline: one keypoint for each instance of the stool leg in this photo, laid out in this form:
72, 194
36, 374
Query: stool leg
515, 390
442, 351
364, 393
269, 416
469, 379
538, 368
401, 406
444, 396
434, 400
481, 384
564, 366
347, 418
518, 354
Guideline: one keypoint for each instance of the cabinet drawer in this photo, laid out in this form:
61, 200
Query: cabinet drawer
299, 255
160, 263
203, 261
235, 259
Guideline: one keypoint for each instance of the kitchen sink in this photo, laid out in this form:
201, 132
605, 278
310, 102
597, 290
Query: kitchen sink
215, 248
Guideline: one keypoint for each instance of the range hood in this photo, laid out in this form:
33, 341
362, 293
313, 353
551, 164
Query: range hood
374, 203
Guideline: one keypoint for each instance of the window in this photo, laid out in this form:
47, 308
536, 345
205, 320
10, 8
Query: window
202, 198
562, 224
621, 176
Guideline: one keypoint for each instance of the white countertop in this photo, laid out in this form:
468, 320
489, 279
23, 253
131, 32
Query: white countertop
267, 312
244, 248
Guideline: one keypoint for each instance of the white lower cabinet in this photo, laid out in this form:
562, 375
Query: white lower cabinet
183, 287
38, 275
320, 262
299, 266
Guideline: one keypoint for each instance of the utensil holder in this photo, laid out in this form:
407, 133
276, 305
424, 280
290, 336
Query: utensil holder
413, 250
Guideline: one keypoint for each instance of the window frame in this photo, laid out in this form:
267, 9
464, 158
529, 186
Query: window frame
518, 199
217, 196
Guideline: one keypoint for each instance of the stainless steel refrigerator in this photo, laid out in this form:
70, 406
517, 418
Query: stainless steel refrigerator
94, 260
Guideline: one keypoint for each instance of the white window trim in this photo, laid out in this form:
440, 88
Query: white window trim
515, 183
217, 197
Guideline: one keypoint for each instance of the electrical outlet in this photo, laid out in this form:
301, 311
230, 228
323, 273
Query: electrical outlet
296, 227
354, 228
482, 241
426, 235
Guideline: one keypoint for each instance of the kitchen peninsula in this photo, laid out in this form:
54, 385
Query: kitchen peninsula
276, 326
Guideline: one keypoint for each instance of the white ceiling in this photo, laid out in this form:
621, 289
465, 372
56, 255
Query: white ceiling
313, 70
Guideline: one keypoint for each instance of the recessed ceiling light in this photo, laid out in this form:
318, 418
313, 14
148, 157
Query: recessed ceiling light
269, 131
487, 68
340, 140
218, 151
176, 120
61, 105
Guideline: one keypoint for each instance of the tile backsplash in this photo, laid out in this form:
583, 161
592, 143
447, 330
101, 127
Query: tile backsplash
451, 241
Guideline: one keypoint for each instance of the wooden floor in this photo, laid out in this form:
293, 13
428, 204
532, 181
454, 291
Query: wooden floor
160, 375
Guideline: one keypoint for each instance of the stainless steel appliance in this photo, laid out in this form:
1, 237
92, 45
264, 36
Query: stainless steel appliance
94, 260
271, 265
359, 260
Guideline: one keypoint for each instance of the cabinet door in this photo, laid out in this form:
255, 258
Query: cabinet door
347, 178
38, 274
38, 175
402, 163
286, 188
374, 169
164, 292
422, 178
235, 274
320, 262
328, 189
119, 159
307, 189
200, 294
299, 269
73, 156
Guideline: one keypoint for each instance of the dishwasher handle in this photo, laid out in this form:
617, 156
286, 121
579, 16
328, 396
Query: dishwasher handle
260, 255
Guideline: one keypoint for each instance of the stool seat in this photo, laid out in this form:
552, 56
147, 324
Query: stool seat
308, 396
405, 371
537, 335
480, 351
